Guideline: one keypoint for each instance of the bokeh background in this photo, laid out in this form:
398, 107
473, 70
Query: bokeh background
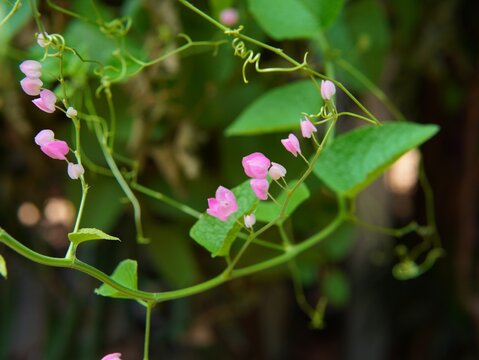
172, 118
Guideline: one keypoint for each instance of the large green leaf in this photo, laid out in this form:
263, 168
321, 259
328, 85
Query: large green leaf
126, 275
3, 267
278, 110
293, 19
268, 210
216, 235
87, 234
357, 158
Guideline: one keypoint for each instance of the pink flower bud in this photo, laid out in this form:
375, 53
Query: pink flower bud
276, 171
44, 136
41, 40
291, 144
31, 86
327, 89
56, 149
114, 356
71, 112
307, 128
229, 16
256, 165
75, 170
31, 68
223, 205
249, 221
260, 188
46, 101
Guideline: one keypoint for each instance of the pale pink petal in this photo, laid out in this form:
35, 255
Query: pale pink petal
307, 128
31, 86
114, 356
327, 89
56, 149
276, 171
44, 136
291, 144
75, 170
229, 16
260, 188
31, 69
256, 165
249, 221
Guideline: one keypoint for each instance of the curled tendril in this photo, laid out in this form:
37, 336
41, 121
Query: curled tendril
116, 28
55, 42
250, 57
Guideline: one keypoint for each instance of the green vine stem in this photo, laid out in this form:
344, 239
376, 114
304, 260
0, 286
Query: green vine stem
12, 11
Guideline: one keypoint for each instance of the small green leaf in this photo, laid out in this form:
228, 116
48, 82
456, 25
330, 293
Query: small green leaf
216, 235
126, 275
3, 267
357, 158
87, 234
268, 210
277, 110
336, 287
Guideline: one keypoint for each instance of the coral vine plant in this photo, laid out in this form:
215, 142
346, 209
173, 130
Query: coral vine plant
239, 214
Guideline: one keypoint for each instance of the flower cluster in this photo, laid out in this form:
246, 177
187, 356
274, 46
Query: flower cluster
258, 167
58, 150
32, 85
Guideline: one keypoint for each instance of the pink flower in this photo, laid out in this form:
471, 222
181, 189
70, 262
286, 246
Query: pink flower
31, 68
56, 149
307, 128
71, 112
276, 171
223, 205
327, 89
229, 16
42, 40
31, 86
75, 170
44, 136
256, 165
260, 188
249, 221
46, 101
114, 356
291, 144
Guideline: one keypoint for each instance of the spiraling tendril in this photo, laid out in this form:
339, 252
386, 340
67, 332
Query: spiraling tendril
250, 57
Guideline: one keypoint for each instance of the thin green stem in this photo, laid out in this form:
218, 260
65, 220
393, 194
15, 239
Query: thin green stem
146, 349
12, 11
346, 113
166, 199
375, 90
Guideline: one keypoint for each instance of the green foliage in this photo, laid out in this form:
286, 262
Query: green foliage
361, 37
337, 246
126, 275
336, 287
3, 267
277, 110
88, 234
294, 19
268, 210
215, 235
358, 157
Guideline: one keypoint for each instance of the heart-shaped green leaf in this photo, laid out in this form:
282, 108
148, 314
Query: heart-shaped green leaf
277, 110
358, 157
268, 210
88, 234
126, 275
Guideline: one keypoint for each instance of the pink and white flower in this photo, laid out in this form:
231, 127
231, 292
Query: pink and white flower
307, 128
223, 204
256, 165
276, 171
327, 89
75, 170
46, 101
31, 86
229, 16
260, 188
291, 144
113, 356
31, 68
249, 221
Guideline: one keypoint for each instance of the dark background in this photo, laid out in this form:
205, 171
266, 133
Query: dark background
182, 107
